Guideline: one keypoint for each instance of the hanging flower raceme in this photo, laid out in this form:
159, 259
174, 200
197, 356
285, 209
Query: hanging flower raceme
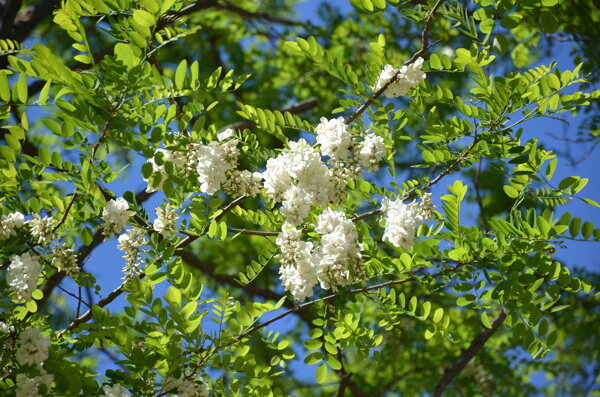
297, 272
33, 347
115, 215
166, 221
37, 386
65, 260
130, 243
299, 178
42, 228
179, 159
114, 391
370, 151
215, 160
400, 80
402, 220
182, 387
339, 261
334, 138
10, 223
22, 275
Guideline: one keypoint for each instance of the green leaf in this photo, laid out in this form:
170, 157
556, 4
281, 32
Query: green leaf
438, 314
143, 18
334, 363
591, 202
180, 74
549, 22
4, 88
574, 227
321, 373
485, 320
173, 296
550, 168
510, 191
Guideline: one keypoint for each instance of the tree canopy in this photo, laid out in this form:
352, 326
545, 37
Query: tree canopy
347, 198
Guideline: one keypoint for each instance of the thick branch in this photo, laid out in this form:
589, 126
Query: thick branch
468, 355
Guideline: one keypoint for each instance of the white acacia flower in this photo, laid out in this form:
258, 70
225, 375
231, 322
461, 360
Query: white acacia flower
114, 391
213, 162
166, 221
297, 272
41, 228
401, 222
400, 80
37, 386
65, 260
226, 134
298, 178
130, 243
179, 159
334, 138
186, 388
10, 223
22, 275
338, 260
243, 183
115, 215
33, 347
371, 151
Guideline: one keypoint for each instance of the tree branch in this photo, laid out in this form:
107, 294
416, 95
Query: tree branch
424, 47
468, 355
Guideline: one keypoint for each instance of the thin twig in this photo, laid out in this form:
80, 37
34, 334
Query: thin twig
333, 296
424, 47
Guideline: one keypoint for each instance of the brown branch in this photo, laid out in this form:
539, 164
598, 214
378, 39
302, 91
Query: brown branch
467, 355
298, 107
424, 48
9, 17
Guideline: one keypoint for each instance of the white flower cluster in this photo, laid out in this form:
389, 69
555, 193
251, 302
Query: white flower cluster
334, 138
299, 178
340, 261
10, 223
41, 228
335, 263
5, 329
166, 221
243, 183
400, 80
298, 273
22, 275
370, 151
38, 386
186, 388
114, 391
179, 159
130, 243
215, 160
115, 215
33, 347
65, 260
402, 220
